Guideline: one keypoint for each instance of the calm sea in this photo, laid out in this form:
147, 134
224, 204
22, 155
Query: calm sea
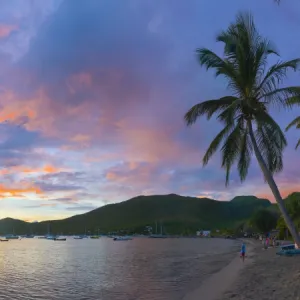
141, 269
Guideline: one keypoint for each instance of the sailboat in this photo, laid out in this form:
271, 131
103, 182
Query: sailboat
50, 236
158, 235
12, 236
95, 236
80, 237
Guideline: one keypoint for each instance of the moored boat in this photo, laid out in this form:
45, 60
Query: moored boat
59, 239
157, 236
11, 237
29, 236
122, 238
78, 237
94, 237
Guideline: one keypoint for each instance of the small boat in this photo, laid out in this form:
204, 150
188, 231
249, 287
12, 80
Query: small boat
122, 238
42, 237
59, 239
94, 237
78, 237
4, 240
29, 236
12, 237
288, 247
50, 237
157, 236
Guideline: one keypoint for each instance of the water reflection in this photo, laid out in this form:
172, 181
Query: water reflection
102, 269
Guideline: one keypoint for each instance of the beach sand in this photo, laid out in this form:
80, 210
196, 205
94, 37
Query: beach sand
217, 284
269, 276
264, 275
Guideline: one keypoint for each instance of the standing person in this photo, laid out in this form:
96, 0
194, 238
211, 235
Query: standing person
243, 251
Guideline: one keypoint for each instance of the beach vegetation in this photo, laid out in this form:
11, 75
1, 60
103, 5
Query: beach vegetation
264, 220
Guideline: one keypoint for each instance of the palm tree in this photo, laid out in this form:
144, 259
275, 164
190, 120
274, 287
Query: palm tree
248, 126
296, 123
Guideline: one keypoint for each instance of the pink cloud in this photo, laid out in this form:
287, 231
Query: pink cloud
6, 30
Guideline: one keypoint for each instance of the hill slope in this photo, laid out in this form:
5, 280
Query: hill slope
179, 215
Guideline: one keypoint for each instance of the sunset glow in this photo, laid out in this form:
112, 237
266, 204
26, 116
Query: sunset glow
93, 94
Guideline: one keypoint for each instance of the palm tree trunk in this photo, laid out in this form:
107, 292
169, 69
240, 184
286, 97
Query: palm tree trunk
270, 180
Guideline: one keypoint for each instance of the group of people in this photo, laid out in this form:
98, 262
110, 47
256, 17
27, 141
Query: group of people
266, 240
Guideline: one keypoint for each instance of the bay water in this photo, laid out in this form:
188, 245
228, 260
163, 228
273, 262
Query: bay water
103, 269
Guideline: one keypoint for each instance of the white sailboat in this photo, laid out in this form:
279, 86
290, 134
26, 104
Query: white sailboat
158, 235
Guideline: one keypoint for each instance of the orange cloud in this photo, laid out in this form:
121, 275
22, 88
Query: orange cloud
7, 192
29, 170
6, 30
50, 169
111, 176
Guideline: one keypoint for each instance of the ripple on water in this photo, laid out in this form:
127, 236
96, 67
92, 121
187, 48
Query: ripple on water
102, 269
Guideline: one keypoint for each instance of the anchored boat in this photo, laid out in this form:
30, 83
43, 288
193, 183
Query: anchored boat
122, 238
60, 239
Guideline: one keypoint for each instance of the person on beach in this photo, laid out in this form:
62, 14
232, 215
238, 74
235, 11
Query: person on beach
243, 251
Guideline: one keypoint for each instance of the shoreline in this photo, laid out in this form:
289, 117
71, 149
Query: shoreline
220, 282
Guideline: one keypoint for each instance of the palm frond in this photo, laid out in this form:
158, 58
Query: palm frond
213, 147
295, 122
283, 97
271, 141
225, 68
245, 156
246, 49
297, 145
275, 75
207, 108
231, 150
231, 112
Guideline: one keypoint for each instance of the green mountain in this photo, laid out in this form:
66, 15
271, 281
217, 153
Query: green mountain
178, 215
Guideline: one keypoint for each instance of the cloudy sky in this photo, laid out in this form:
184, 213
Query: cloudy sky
93, 94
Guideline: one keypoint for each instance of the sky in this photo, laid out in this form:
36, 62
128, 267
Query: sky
93, 94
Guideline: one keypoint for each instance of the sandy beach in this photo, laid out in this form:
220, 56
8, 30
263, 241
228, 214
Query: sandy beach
269, 276
218, 283
264, 275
